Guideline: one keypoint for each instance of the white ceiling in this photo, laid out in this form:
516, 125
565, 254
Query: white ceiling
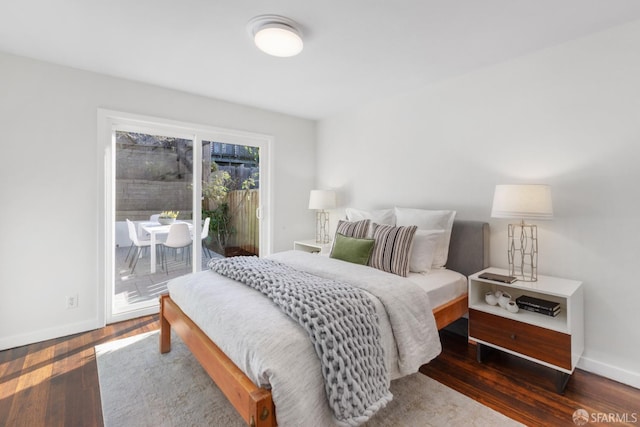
355, 50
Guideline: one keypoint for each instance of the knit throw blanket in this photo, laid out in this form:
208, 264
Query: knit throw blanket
342, 324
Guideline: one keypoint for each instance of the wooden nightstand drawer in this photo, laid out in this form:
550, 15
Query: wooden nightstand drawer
539, 343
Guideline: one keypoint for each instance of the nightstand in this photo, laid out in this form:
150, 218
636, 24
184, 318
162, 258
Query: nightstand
312, 247
556, 342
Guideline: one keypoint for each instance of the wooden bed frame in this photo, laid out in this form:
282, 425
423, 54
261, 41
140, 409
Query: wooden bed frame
255, 404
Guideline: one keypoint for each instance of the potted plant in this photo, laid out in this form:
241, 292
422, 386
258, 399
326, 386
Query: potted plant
168, 217
221, 225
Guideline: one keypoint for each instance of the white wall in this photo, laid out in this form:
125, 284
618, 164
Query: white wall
49, 184
568, 116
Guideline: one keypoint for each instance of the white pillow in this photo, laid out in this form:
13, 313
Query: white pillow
423, 251
382, 216
430, 220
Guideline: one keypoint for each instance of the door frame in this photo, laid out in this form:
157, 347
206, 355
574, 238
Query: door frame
108, 122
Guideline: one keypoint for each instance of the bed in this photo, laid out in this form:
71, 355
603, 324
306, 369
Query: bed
252, 388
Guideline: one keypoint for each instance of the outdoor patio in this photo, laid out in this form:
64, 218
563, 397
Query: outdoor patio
142, 285
154, 176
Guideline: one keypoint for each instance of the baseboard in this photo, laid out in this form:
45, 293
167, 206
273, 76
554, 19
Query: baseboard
608, 371
47, 334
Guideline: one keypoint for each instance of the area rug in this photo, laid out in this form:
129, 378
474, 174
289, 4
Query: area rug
141, 387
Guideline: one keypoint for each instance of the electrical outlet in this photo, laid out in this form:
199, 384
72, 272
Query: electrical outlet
72, 301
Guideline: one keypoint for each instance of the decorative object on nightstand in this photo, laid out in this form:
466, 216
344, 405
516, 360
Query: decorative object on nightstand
512, 307
321, 200
499, 298
523, 201
553, 337
490, 298
504, 300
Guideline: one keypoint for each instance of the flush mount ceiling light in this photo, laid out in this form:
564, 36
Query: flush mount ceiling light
276, 35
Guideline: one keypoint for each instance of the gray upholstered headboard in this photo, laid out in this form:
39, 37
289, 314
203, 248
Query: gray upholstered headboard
469, 247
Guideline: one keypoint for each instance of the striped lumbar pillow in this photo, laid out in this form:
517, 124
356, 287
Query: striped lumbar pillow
355, 229
392, 248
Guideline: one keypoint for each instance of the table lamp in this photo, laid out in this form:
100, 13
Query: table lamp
523, 201
321, 200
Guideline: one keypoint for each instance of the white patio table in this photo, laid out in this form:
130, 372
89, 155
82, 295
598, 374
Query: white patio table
155, 228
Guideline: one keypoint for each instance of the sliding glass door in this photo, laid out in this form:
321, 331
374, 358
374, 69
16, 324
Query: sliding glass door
158, 184
153, 183
231, 198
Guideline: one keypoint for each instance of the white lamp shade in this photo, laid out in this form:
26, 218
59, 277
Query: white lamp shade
322, 199
526, 201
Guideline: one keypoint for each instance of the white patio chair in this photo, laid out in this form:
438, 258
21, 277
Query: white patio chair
179, 237
137, 242
205, 234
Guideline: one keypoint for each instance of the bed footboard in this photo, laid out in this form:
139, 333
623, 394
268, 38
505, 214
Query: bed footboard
254, 404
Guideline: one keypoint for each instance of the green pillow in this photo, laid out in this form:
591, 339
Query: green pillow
351, 249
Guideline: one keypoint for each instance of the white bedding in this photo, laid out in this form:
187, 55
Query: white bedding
275, 352
442, 285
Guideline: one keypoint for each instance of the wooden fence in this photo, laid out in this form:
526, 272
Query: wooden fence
243, 205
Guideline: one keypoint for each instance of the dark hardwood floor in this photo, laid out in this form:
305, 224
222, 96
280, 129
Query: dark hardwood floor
525, 391
55, 383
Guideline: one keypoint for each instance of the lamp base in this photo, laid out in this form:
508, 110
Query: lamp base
523, 251
322, 227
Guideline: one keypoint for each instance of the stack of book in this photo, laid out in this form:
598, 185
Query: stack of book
538, 305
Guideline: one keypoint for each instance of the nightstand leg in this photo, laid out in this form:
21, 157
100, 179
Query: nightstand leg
481, 352
561, 381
